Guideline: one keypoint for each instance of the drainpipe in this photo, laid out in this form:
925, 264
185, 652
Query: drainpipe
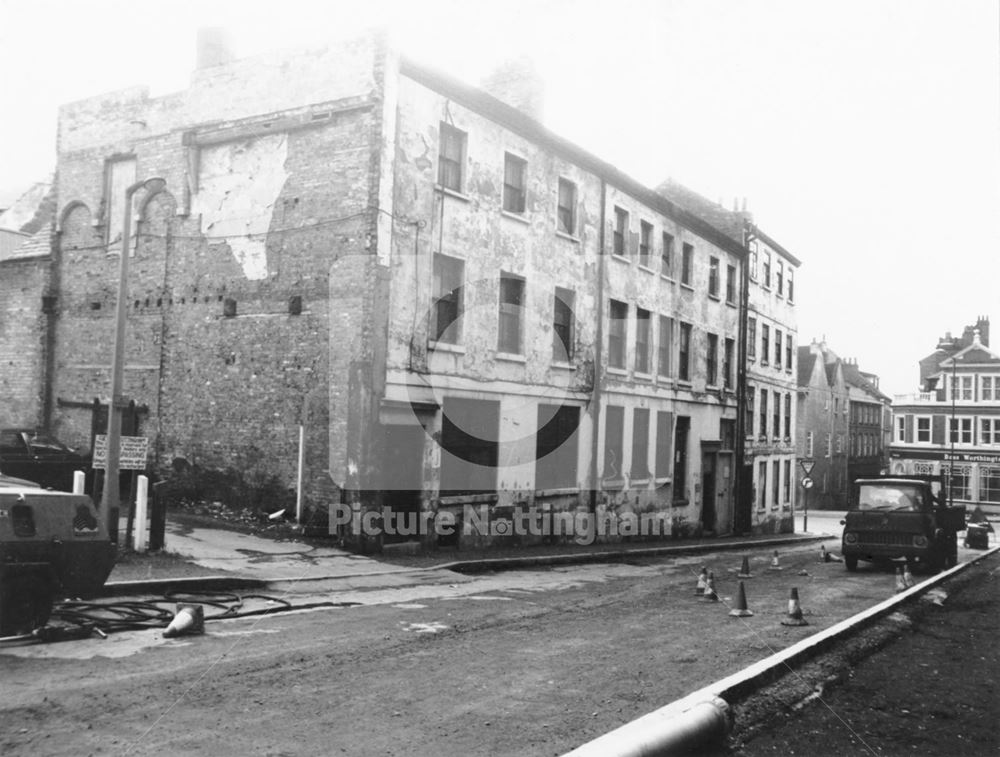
595, 395
743, 508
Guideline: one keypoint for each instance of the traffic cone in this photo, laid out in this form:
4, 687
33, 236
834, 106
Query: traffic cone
745, 569
699, 590
907, 576
710, 595
189, 619
794, 611
741, 610
774, 562
900, 580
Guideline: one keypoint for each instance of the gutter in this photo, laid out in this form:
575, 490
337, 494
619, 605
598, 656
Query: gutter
595, 398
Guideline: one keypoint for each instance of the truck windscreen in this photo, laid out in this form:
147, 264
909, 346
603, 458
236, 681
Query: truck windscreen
895, 497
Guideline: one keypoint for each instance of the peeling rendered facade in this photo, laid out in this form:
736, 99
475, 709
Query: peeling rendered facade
415, 272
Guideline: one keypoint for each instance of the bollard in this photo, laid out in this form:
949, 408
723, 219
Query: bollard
158, 516
79, 481
141, 500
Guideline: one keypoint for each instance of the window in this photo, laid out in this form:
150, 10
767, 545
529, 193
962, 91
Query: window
788, 352
451, 157
788, 416
767, 269
664, 429
765, 343
810, 447
989, 484
959, 480
961, 387
515, 172
752, 262
667, 256
752, 338
614, 430
777, 415
836, 405
684, 353
989, 388
681, 457
566, 210
469, 433
763, 413
640, 444
119, 175
511, 309
787, 493
989, 431
840, 444
621, 232
780, 278
777, 349
618, 316
712, 361
791, 284
713, 277
727, 364
449, 276
776, 483
961, 430
748, 415
762, 484
923, 429
727, 433
665, 346
687, 260
562, 325
731, 284
645, 244
641, 341
556, 446
901, 428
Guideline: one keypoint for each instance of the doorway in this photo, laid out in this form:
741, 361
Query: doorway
402, 473
708, 490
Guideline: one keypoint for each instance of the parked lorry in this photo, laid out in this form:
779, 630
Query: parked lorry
902, 518
51, 543
33, 455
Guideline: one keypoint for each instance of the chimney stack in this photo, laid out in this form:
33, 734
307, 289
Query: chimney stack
518, 84
213, 47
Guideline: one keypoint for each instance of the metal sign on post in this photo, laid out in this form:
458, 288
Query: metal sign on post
807, 483
134, 451
807, 465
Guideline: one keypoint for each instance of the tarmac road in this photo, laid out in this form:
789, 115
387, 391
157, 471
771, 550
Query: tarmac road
519, 662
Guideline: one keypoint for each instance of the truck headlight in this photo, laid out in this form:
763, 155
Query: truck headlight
850, 538
919, 540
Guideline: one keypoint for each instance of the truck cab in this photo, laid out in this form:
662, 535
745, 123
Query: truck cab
895, 518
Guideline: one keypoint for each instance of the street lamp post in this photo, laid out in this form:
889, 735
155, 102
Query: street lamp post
110, 500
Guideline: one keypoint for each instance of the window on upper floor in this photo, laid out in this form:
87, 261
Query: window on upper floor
767, 269
989, 431
620, 239
961, 430
752, 338
687, 262
645, 244
748, 412
923, 429
780, 278
777, 416
989, 388
765, 343
665, 346
790, 280
449, 278
788, 352
667, 256
810, 447
713, 277
566, 210
684, 353
515, 181
788, 416
727, 363
119, 175
617, 330
731, 284
642, 341
777, 349
900, 428
712, 360
510, 327
562, 325
763, 413
961, 387
451, 157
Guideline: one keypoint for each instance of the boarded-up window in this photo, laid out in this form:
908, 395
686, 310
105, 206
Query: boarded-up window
119, 176
469, 441
556, 446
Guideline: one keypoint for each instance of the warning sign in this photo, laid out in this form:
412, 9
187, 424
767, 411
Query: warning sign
807, 465
134, 450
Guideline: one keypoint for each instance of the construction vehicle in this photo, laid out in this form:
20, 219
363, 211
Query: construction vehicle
902, 518
52, 543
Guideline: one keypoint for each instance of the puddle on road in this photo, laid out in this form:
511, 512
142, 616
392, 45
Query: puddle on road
410, 607
434, 627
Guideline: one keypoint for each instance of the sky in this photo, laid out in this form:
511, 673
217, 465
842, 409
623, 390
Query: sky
864, 135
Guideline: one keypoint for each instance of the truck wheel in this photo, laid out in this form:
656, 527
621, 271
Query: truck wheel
851, 563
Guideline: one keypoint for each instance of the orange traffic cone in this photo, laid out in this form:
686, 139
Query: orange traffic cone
907, 576
774, 562
900, 580
699, 590
745, 569
189, 619
710, 595
741, 610
794, 611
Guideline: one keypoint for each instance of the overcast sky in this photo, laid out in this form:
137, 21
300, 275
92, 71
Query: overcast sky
864, 134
